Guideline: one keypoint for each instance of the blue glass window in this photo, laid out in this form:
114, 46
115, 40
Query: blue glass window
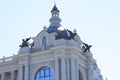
44, 41
44, 73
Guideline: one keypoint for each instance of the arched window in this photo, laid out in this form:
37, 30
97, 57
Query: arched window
44, 41
80, 76
45, 73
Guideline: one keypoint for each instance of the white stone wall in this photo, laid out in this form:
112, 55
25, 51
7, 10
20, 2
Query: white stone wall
65, 62
65, 57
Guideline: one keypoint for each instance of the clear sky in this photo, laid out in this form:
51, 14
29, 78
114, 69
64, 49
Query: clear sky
97, 22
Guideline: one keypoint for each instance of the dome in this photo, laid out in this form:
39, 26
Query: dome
52, 29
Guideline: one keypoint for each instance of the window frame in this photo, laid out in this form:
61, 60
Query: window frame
47, 74
44, 41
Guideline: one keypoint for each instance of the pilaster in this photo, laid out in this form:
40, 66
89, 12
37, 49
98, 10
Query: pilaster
12, 75
89, 70
68, 69
73, 69
89, 74
26, 72
63, 66
20, 72
77, 72
56, 69
3, 76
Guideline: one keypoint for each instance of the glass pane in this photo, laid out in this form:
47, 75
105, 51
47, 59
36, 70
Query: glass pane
37, 76
47, 72
41, 78
51, 78
47, 78
37, 79
44, 41
41, 73
51, 73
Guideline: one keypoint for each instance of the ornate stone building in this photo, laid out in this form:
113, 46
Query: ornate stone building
56, 53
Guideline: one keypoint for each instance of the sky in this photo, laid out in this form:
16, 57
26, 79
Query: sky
97, 22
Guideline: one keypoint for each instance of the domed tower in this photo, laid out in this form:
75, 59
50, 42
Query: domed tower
55, 20
56, 53
60, 52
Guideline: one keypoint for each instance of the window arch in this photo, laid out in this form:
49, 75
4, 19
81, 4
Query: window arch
80, 75
45, 73
44, 41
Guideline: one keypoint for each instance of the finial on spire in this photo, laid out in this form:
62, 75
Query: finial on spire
74, 30
55, 8
44, 28
54, 3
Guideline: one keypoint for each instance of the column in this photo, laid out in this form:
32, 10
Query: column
20, 72
63, 68
3, 76
68, 69
12, 75
89, 74
73, 69
77, 70
57, 69
26, 72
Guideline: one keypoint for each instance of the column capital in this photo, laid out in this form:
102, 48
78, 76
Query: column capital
11, 72
72, 58
27, 64
89, 67
62, 57
57, 58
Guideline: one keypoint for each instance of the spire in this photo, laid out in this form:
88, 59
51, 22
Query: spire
55, 20
55, 9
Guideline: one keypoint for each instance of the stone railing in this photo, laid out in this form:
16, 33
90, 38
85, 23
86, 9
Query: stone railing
5, 59
57, 43
42, 48
67, 42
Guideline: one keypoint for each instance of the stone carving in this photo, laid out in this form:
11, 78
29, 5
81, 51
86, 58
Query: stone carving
25, 42
86, 47
71, 35
66, 34
96, 72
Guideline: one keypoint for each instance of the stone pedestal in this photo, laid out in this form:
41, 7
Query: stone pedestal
24, 50
88, 54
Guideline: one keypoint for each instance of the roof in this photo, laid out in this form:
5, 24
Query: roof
55, 9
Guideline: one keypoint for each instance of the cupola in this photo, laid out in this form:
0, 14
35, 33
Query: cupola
54, 20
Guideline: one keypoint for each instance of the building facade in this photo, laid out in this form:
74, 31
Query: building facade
56, 53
